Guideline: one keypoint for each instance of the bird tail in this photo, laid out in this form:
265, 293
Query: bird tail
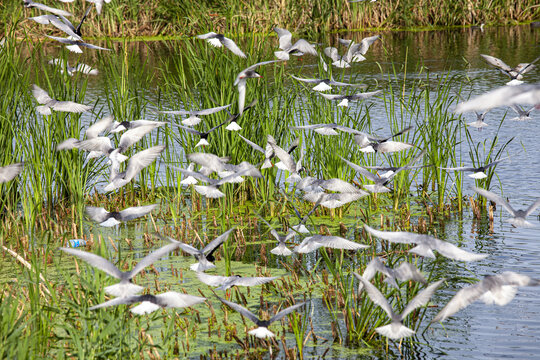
282, 55
261, 333
282, 250
294, 178
146, 307
123, 289
395, 331
44, 110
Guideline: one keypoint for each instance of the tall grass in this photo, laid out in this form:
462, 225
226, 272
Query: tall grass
173, 18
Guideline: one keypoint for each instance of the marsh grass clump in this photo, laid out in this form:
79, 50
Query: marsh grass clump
171, 18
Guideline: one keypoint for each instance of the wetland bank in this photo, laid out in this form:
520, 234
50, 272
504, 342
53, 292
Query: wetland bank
44, 304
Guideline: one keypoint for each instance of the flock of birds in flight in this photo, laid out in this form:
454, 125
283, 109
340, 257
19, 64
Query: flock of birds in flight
331, 193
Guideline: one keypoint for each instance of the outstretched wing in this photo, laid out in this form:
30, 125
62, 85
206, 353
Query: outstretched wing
136, 211
495, 198
96, 261
242, 310
152, 257
217, 241
286, 311
231, 45
422, 298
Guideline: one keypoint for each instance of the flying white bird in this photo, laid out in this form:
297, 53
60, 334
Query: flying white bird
492, 289
219, 40
48, 103
151, 303
125, 287
261, 331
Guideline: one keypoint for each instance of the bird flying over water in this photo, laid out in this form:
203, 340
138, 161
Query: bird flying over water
125, 287
211, 190
74, 44
382, 180
204, 256
404, 272
515, 74
102, 145
503, 96
355, 51
151, 303
135, 165
194, 118
32, 4
9, 172
325, 84
477, 172
48, 103
293, 167
369, 143
492, 289
518, 216
315, 242
118, 126
99, 4
261, 331
425, 244
108, 219
60, 22
226, 282
71, 70
219, 40
353, 97
241, 78
522, 115
396, 329
299, 48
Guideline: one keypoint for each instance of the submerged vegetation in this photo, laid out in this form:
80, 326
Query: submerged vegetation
44, 307
134, 18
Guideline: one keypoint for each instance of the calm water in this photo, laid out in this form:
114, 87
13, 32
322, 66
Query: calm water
479, 331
